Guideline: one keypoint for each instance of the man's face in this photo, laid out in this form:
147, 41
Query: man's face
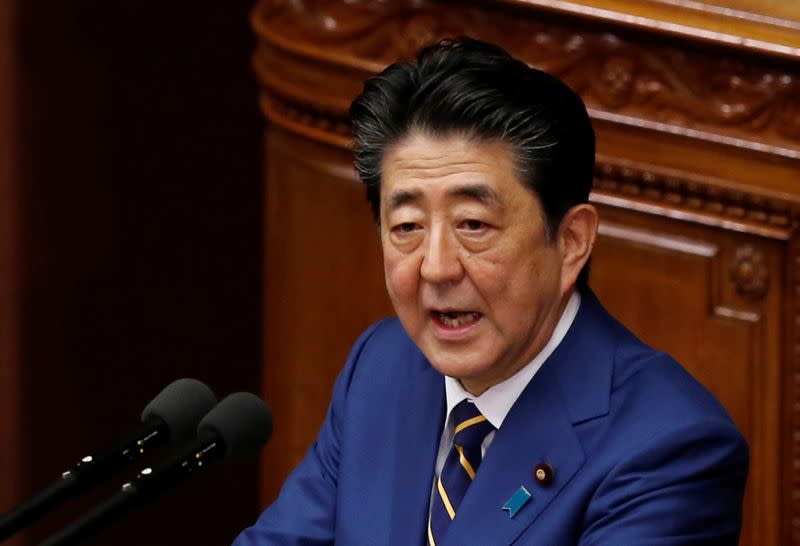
467, 261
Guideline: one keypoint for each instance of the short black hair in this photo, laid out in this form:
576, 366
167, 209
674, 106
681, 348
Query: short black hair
466, 86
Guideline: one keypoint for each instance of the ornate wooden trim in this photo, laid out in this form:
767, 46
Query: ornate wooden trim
685, 196
638, 78
749, 273
673, 243
626, 80
693, 19
315, 125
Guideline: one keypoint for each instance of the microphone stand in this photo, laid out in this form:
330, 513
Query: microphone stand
91, 470
147, 485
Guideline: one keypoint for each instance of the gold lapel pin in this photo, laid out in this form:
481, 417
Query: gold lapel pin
544, 473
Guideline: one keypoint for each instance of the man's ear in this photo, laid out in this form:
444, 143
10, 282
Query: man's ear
576, 236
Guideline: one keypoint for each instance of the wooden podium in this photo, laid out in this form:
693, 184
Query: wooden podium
696, 106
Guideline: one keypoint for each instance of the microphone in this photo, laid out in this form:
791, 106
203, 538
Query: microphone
240, 424
171, 416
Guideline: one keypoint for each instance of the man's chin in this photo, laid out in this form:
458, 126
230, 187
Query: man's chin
458, 368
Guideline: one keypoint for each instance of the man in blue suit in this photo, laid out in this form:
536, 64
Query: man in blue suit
503, 405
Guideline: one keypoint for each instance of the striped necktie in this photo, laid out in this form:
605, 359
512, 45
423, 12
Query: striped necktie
459, 469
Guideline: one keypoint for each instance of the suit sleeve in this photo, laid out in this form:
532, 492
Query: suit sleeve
305, 511
682, 487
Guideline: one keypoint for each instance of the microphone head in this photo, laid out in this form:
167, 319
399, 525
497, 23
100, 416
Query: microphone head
181, 405
242, 420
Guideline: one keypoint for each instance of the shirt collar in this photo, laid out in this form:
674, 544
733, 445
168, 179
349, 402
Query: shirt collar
496, 401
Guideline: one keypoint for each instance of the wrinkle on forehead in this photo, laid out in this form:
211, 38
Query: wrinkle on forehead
412, 172
414, 157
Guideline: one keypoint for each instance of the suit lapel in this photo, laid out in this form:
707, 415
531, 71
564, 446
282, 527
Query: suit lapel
419, 417
536, 430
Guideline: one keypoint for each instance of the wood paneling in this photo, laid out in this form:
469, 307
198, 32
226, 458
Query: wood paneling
698, 122
325, 287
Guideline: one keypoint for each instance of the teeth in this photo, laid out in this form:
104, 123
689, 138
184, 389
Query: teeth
454, 320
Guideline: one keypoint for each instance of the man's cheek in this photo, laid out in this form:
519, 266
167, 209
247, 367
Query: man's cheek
402, 276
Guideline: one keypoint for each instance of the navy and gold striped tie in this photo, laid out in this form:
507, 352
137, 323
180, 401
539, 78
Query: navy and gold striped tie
459, 469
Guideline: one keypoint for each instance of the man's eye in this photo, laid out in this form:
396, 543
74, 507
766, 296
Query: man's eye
405, 227
473, 225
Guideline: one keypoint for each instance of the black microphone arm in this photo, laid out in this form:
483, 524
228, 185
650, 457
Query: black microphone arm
240, 424
171, 417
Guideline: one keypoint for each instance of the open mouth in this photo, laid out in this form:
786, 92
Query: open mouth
455, 319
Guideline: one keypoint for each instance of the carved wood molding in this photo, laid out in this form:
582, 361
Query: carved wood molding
696, 198
749, 273
746, 27
643, 80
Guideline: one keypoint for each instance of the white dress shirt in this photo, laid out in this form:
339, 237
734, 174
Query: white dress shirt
496, 401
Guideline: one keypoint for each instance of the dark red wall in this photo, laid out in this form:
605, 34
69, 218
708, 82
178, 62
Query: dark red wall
136, 214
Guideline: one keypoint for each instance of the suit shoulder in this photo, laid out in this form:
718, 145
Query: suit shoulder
644, 377
387, 334
385, 344
648, 388
652, 394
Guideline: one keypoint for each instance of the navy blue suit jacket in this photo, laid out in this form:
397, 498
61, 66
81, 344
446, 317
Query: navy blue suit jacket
642, 453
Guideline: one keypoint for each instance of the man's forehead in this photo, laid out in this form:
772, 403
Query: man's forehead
452, 166
425, 153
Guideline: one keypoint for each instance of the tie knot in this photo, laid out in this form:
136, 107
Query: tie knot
471, 427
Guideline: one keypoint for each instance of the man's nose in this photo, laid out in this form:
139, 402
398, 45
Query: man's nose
441, 262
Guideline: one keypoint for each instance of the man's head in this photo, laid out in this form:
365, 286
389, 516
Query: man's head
478, 169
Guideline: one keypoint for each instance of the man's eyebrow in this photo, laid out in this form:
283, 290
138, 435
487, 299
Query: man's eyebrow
477, 192
403, 197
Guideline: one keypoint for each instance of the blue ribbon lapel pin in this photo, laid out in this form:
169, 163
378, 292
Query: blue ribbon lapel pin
517, 501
